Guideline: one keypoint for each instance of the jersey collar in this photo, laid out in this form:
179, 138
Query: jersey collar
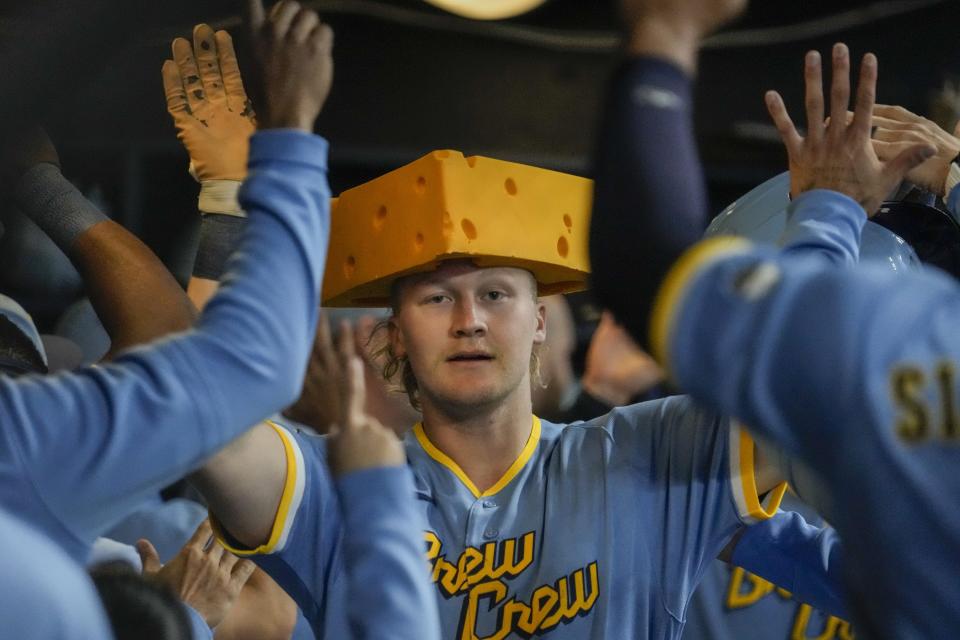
504, 480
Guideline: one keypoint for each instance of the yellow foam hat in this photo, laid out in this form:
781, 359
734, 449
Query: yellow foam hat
445, 206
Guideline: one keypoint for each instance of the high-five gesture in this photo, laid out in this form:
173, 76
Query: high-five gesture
294, 60
209, 106
839, 155
358, 441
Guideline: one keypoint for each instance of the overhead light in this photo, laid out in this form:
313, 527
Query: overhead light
487, 9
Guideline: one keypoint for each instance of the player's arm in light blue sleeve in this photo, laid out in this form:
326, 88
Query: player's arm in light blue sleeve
805, 560
95, 443
741, 327
389, 594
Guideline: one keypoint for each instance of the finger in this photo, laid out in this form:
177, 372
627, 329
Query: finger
322, 36
205, 50
281, 17
895, 112
237, 99
887, 150
897, 125
241, 573
227, 561
323, 347
813, 101
202, 534
896, 169
303, 24
353, 395
216, 551
839, 86
866, 98
173, 89
183, 56
781, 119
149, 557
254, 14
903, 135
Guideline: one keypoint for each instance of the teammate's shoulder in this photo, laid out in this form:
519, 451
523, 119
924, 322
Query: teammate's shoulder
306, 438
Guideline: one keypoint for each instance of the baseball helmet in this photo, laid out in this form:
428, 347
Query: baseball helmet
906, 231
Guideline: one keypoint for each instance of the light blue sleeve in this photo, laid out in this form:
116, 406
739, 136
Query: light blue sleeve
199, 630
805, 560
80, 450
389, 594
44, 595
820, 224
803, 353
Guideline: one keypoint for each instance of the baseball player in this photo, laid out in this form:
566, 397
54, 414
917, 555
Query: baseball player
849, 369
599, 529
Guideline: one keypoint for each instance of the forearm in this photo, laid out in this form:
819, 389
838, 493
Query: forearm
805, 560
134, 295
824, 223
221, 226
159, 412
741, 325
389, 593
649, 200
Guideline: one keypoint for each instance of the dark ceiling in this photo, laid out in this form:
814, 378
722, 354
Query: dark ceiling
410, 78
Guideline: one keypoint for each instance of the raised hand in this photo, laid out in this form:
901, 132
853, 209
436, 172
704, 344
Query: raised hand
318, 406
897, 129
204, 574
358, 440
617, 370
674, 28
210, 109
838, 154
294, 60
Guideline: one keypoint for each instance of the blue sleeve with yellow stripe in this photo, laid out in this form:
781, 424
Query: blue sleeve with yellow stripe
349, 552
80, 450
793, 346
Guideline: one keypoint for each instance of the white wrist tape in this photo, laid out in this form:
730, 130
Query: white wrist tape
220, 196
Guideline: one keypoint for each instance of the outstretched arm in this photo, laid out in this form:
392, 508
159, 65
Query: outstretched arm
388, 590
650, 198
158, 412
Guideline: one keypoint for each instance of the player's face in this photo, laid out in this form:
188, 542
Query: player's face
468, 333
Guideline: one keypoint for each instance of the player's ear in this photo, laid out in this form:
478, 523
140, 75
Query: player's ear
540, 332
394, 334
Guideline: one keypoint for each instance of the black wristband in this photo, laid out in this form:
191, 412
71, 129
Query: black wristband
219, 236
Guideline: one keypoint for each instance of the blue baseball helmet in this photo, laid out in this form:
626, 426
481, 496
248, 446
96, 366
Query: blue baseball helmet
905, 232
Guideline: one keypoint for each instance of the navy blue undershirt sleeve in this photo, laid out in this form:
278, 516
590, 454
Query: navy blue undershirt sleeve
650, 199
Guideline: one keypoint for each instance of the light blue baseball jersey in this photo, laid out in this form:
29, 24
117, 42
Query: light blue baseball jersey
80, 450
854, 371
598, 530
44, 595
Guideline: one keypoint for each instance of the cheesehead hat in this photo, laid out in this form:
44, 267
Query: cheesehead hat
445, 206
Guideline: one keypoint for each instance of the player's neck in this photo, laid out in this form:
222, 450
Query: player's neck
485, 443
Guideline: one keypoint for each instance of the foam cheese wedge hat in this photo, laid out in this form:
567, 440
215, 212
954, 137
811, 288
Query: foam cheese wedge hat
445, 206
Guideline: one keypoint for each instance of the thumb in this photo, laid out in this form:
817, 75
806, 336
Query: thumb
148, 556
913, 156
